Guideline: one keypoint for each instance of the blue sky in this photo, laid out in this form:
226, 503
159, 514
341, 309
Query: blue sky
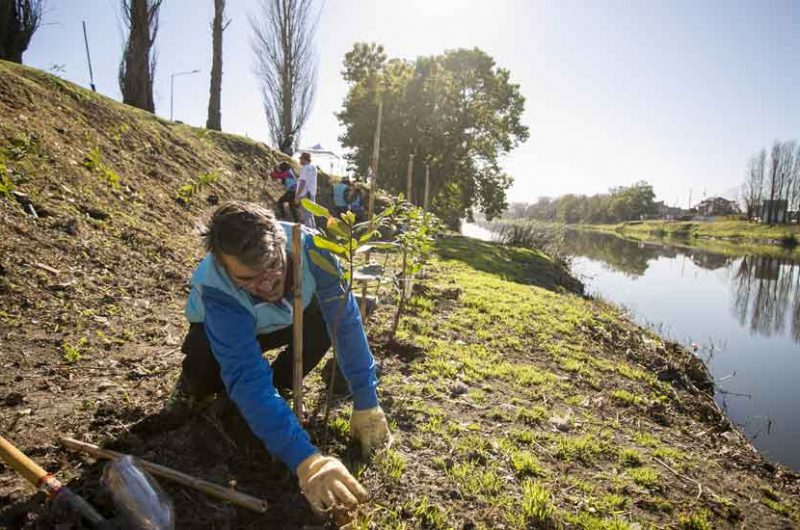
678, 93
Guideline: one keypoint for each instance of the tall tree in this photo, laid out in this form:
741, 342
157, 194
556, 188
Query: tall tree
219, 24
19, 20
457, 112
286, 66
138, 65
753, 188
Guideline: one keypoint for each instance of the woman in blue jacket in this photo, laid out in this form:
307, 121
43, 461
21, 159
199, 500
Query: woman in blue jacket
239, 306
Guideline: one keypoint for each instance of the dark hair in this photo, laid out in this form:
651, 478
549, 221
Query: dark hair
305, 156
284, 166
246, 231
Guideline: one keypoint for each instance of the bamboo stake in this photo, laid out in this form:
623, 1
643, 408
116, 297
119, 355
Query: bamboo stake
376, 149
226, 494
409, 176
297, 324
427, 187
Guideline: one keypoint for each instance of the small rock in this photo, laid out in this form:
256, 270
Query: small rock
105, 385
562, 424
459, 389
730, 436
13, 399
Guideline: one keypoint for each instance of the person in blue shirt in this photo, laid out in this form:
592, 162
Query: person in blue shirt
340, 192
240, 305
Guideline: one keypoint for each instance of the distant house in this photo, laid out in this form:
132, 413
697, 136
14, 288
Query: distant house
664, 211
716, 206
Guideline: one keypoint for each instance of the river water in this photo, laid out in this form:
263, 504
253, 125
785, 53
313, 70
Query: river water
741, 311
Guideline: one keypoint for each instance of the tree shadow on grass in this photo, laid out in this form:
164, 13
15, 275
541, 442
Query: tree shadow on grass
513, 264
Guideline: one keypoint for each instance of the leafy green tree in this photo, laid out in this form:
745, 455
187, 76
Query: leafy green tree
457, 112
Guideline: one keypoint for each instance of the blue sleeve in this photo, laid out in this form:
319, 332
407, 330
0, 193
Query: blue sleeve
247, 376
355, 357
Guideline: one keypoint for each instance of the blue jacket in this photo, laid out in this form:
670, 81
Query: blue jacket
233, 319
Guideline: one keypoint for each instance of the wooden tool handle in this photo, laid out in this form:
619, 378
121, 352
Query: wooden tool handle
21, 463
227, 494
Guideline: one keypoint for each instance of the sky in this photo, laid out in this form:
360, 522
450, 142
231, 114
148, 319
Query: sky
679, 94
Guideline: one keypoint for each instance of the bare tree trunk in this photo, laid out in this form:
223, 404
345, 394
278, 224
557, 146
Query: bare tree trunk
215, 97
19, 20
138, 63
283, 44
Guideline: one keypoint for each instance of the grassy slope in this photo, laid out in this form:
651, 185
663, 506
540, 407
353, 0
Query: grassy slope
563, 420
571, 416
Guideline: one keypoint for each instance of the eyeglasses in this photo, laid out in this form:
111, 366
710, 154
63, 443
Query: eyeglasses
265, 279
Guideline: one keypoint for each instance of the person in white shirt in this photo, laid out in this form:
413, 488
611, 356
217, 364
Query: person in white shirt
306, 188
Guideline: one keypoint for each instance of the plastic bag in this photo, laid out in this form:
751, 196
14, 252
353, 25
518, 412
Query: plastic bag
139, 500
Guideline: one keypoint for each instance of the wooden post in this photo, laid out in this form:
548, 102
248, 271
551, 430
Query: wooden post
409, 176
376, 147
427, 187
297, 321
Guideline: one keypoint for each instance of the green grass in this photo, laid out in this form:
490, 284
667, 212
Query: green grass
525, 464
538, 510
391, 465
694, 521
586, 449
645, 476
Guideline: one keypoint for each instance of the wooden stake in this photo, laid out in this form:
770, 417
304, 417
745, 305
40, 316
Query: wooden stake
408, 177
297, 322
226, 494
376, 148
427, 187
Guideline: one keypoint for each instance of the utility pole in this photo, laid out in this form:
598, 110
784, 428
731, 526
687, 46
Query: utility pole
172, 88
408, 177
88, 57
690, 199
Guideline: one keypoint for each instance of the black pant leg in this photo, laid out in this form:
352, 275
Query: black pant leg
316, 343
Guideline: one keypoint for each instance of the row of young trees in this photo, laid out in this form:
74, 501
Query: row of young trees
623, 203
774, 176
283, 45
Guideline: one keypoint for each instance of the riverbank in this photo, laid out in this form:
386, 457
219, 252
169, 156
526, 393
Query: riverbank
742, 232
515, 401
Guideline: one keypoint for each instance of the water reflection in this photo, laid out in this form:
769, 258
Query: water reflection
765, 289
766, 295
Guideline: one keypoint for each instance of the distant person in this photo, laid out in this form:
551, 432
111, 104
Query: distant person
306, 188
356, 204
341, 191
283, 172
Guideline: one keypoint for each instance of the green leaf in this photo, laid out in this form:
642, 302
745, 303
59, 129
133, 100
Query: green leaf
367, 236
349, 218
363, 248
335, 226
315, 208
320, 261
383, 245
321, 242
